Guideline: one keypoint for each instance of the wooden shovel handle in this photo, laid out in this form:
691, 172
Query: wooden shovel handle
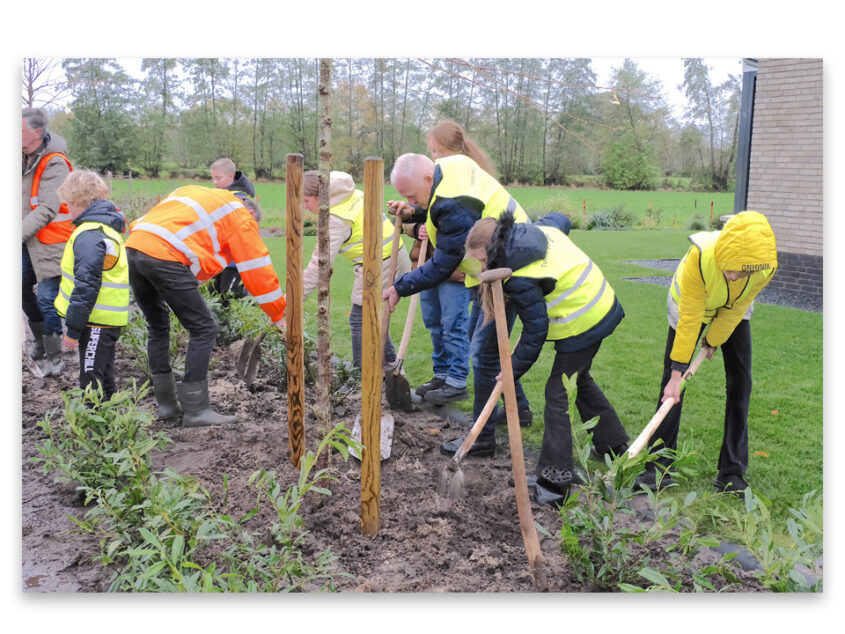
648, 431
412, 311
397, 237
523, 502
480, 422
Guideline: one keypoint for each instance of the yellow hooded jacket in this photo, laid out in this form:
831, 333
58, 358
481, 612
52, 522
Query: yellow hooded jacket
703, 293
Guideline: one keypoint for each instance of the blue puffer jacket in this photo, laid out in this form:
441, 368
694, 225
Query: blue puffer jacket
453, 217
516, 245
88, 255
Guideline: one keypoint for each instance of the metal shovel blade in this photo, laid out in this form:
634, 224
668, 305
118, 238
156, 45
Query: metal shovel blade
248, 360
397, 391
451, 484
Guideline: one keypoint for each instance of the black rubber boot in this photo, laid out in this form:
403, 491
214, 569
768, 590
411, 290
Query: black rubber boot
553, 485
164, 389
500, 417
53, 350
194, 400
36, 350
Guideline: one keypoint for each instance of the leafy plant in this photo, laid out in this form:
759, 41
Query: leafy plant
163, 530
608, 546
101, 444
779, 564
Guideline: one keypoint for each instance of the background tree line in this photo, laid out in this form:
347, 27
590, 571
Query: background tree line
543, 121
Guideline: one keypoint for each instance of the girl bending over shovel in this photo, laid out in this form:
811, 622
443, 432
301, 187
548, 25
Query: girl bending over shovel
560, 295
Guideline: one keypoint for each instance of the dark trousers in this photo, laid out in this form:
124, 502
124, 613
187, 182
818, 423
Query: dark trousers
157, 284
736, 352
556, 449
356, 328
96, 358
484, 353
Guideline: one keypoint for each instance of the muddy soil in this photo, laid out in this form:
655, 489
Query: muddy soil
425, 542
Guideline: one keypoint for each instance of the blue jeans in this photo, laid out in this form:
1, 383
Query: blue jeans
484, 352
38, 305
445, 312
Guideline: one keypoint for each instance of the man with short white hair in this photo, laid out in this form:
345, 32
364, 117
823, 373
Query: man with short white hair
445, 198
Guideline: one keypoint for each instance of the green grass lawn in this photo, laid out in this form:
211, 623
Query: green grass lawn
672, 209
785, 421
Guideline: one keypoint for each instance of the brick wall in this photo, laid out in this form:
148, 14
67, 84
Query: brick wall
785, 179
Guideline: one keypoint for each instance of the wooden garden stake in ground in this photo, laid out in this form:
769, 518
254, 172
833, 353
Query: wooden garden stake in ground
371, 346
494, 277
322, 405
294, 311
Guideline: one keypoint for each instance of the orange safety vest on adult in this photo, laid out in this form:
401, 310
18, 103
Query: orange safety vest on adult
61, 227
206, 230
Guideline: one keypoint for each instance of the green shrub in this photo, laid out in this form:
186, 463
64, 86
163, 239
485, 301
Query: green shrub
696, 223
611, 219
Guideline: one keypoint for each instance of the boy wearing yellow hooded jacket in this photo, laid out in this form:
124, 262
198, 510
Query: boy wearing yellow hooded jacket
715, 284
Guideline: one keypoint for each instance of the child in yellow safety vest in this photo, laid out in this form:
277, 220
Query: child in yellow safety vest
94, 291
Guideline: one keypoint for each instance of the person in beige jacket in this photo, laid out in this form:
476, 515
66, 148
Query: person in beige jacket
45, 228
346, 234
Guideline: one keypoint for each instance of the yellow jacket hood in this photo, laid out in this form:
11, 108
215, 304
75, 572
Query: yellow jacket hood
746, 243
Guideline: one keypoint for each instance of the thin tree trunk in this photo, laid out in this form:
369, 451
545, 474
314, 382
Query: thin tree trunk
322, 407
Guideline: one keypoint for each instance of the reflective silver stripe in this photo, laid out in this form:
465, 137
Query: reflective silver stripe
269, 297
675, 284
33, 201
572, 288
581, 311
256, 263
386, 242
180, 246
511, 205
113, 309
205, 221
345, 249
116, 285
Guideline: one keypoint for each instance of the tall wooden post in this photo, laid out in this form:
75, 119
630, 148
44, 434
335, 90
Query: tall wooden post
294, 312
322, 401
711, 210
371, 346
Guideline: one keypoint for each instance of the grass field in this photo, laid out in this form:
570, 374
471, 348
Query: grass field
785, 421
672, 209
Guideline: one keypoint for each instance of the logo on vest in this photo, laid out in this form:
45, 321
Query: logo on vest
91, 349
752, 268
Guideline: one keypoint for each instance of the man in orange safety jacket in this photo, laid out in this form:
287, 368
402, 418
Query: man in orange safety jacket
188, 238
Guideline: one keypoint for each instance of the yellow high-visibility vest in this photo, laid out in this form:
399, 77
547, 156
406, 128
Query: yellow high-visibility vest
463, 178
112, 305
351, 211
581, 297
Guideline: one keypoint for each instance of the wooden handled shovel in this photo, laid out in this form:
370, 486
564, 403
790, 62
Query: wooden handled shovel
397, 237
397, 390
648, 431
451, 483
523, 502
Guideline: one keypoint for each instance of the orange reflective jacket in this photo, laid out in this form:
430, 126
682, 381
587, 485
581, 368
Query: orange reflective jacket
60, 228
207, 229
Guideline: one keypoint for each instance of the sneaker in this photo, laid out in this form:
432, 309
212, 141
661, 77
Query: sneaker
431, 385
500, 417
479, 449
445, 394
733, 484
